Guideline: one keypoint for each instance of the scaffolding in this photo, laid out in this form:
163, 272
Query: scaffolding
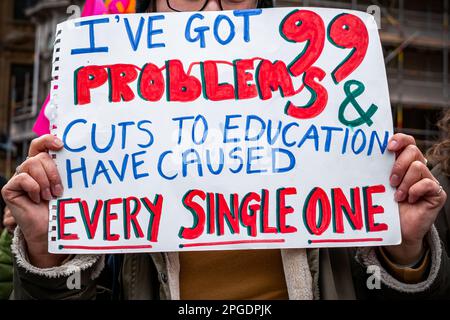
415, 37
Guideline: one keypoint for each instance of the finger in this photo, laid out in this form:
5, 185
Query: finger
52, 174
410, 154
9, 222
400, 141
7, 212
416, 172
44, 144
426, 188
35, 169
19, 185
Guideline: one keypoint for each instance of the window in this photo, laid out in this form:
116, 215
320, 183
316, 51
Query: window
21, 87
420, 122
20, 6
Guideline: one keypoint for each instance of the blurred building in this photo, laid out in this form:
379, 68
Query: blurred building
415, 36
26, 45
16, 65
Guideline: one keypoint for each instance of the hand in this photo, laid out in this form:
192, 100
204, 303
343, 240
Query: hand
419, 195
27, 194
8, 220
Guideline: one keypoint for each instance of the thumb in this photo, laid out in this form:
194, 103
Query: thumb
44, 144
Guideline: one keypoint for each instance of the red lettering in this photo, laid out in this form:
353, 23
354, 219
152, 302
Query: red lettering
91, 221
265, 213
274, 76
87, 78
63, 220
131, 217
225, 213
110, 216
121, 75
301, 26
215, 91
248, 212
197, 212
155, 209
151, 83
182, 88
347, 31
372, 209
211, 213
317, 197
341, 206
245, 90
319, 96
283, 210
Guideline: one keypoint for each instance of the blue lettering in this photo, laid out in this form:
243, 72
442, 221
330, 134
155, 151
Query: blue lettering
150, 135
228, 127
291, 157
199, 30
311, 134
205, 129
217, 22
382, 145
94, 142
236, 157
251, 158
152, 32
329, 131
134, 39
66, 132
92, 48
121, 174
124, 126
70, 171
195, 160
160, 161
101, 169
137, 164
363, 143
209, 162
180, 126
246, 14
285, 130
248, 125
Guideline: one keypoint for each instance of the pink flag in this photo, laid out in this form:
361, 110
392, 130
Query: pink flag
91, 8
42, 125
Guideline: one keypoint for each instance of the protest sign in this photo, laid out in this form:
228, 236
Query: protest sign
221, 130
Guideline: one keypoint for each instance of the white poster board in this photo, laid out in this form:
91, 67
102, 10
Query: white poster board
221, 130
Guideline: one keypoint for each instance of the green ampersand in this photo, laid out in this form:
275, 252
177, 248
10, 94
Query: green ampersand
351, 95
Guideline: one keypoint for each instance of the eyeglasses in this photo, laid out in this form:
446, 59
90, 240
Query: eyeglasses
199, 5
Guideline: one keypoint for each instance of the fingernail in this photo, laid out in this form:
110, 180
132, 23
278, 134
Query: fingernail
399, 195
392, 144
395, 180
58, 143
58, 190
46, 194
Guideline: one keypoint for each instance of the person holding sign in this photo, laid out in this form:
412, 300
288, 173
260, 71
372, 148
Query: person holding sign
416, 268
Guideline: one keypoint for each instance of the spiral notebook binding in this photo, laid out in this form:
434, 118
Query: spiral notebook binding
52, 113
